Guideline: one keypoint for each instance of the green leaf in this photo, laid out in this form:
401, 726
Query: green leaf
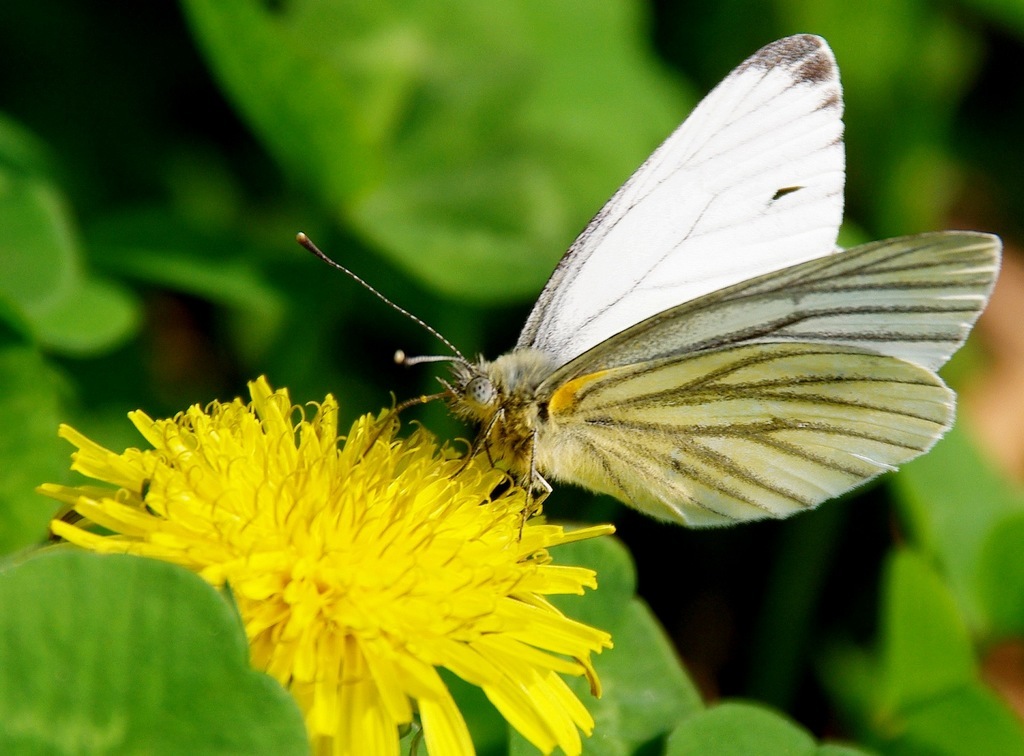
293, 98
154, 248
835, 749
159, 248
739, 729
924, 697
971, 720
41, 263
44, 282
454, 136
95, 316
30, 411
952, 500
926, 650
117, 654
852, 678
1001, 576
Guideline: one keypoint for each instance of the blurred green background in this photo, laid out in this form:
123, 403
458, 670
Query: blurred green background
156, 161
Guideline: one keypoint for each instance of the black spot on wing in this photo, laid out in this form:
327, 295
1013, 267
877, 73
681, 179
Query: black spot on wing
780, 193
805, 55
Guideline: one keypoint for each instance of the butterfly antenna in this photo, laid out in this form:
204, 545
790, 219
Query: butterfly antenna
306, 242
401, 358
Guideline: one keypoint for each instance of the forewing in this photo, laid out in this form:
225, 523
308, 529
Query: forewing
914, 298
751, 182
743, 433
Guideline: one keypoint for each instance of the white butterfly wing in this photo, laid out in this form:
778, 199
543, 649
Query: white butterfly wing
777, 393
914, 297
751, 182
742, 433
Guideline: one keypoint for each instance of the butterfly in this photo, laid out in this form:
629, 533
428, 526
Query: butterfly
704, 352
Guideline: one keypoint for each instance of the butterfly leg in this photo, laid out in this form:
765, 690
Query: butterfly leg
392, 416
480, 444
538, 489
540, 483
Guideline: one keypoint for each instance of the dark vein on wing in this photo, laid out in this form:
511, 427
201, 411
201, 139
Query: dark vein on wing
726, 465
685, 397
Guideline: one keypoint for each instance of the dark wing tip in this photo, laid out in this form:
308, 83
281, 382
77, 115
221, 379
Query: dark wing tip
807, 56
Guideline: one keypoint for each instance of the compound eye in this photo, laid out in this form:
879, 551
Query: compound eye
481, 391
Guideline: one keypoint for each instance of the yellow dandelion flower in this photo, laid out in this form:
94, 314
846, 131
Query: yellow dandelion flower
359, 568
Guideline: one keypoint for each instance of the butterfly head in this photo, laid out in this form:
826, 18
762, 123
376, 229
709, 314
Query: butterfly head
480, 389
472, 393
